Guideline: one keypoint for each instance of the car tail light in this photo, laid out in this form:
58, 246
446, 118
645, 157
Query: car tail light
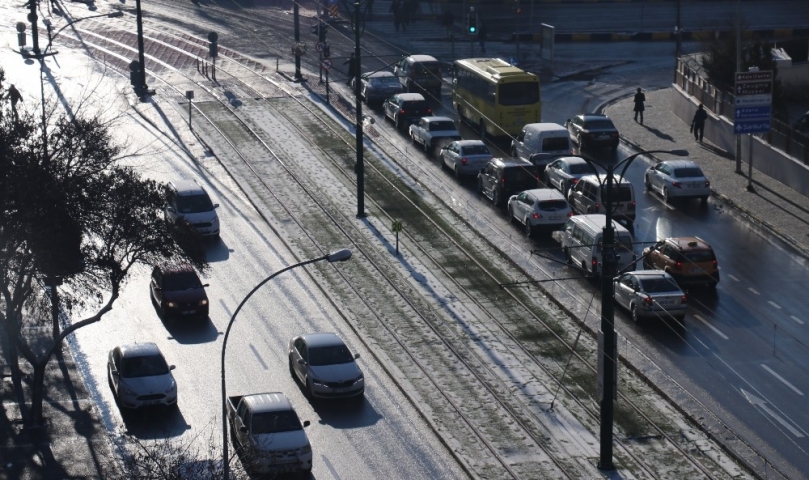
631, 206
503, 182
648, 300
463, 161
707, 183
570, 213
678, 265
676, 184
402, 111
537, 216
429, 111
594, 262
598, 207
614, 134
574, 181
684, 298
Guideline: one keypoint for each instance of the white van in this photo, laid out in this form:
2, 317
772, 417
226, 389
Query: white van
539, 143
581, 243
587, 196
187, 201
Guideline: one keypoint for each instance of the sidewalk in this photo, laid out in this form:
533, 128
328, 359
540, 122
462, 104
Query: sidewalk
773, 206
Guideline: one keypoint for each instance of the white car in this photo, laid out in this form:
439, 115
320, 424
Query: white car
139, 376
465, 157
677, 179
650, 294
540, 208
565, 172
325, 365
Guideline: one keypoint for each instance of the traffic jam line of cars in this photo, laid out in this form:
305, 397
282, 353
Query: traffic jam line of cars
265, 429
545, 188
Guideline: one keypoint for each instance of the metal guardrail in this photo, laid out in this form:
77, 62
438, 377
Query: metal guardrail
781, 136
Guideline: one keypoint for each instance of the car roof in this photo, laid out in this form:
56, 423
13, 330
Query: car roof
470, 143
511, 162
171, 266
268, 402
187, 187
572, 160
437, 119
546, 194
596, 221
379, 74
603, 178
689, 243
322, 339
649, 273
422, 58
593, 116
680, 163
139, 350
410, 97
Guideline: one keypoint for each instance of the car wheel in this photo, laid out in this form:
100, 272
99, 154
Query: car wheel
426, 147
412, 139
634, 310
457, 173
529, 230
666, 197
566, 253
310, 389
397, 122
292, 369
496, 197
704, 198
580, 141
513, 152
648, 183
480, 186
511, 218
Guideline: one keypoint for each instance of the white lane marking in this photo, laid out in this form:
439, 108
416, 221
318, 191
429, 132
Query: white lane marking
733, 278
774, 304
718, 332
753, 290
758, 402
793, 317
783, 380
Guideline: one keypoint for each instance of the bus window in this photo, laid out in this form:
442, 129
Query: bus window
524, 93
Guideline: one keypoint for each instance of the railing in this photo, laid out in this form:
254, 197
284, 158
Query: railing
781, 136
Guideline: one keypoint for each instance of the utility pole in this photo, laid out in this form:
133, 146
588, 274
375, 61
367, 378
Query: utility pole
360, 167
738, 153
144, 89
297, 21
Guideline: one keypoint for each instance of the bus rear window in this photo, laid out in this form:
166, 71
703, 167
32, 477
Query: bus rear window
523, 93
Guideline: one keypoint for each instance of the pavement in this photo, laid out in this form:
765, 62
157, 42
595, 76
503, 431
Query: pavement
74, 442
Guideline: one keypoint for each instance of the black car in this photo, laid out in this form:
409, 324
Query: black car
177, 291
375, 87
406, 108
503, 177
593, 131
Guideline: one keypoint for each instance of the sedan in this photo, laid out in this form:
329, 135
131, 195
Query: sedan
465, 157
678, 178
565, 172
593, 130
375, 87
540, 208
650, 294
324, 364
139, 376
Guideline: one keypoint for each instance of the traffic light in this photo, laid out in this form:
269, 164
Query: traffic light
326, 50
320, 30
472, 23
21, 34
213, 47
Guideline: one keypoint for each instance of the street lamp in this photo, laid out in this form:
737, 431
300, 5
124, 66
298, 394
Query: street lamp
338, 256
360, 166
51, 37
607, 345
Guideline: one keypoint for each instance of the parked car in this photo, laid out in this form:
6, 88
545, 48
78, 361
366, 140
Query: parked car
563, 173
593, 131
420, 73
187, 201
503, 177
581, 240
677, 179
324, 364
540, 143
802, 124
465, 157
376, 87
433, 132
690, 260
404, 109
650, 294
539, 209
177, 291
589, 193
140, 376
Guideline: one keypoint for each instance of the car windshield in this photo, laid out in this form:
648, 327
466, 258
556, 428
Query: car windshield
331, 355
522, 93
520, 178
274, 422
384, 81
181, 281
581, 168
687, 172
194, 203
143, 366
416, 106
599, 125
476, 150
441, 126
659, 285
553, 205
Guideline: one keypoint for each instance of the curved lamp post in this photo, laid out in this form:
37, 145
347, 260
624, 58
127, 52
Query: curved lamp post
51, 37
338, 256
608, 351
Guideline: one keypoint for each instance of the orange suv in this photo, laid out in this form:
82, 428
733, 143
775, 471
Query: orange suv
690, 260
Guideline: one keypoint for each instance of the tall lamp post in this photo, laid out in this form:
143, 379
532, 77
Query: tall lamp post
607, 345
360, 166
338, 256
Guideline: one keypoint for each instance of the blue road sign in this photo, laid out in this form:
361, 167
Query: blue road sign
757, 112
752, 126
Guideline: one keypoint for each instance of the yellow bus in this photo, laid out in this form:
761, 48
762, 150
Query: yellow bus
494, 96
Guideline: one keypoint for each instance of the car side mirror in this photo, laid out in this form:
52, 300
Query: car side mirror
115, 372
172, 367
302, 361
215, 205
171, 209
206, 285
243, 429
306, 423
159, 289
356, 356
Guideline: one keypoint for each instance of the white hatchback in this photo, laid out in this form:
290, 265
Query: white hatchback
540, 208
678, 179
139, 376
465, 157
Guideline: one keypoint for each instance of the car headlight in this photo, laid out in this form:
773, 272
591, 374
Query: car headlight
128, 391
306, 450
172, 388
203, 302
171, 304
360, 379
317, 381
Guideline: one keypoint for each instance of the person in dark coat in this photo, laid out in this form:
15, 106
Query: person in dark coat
369, 10
396, 9
698, 123
639, 99
14, 96
483, 32
352, 68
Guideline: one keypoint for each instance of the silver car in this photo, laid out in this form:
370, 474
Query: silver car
678, 179
139, 376
465, 157
540, 208
564, 172
325, 365
375, 87
650, 294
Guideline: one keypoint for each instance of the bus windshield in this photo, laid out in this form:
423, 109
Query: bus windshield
522, 93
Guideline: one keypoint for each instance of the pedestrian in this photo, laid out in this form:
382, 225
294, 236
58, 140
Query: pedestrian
447, 19
395, 9
412, 10
352, 68
404, 13
639, 99
482, 34
369, 9
14, 96
698, 123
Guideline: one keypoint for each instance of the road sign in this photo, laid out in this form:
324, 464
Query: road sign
753, 102
319, 47
326, 63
